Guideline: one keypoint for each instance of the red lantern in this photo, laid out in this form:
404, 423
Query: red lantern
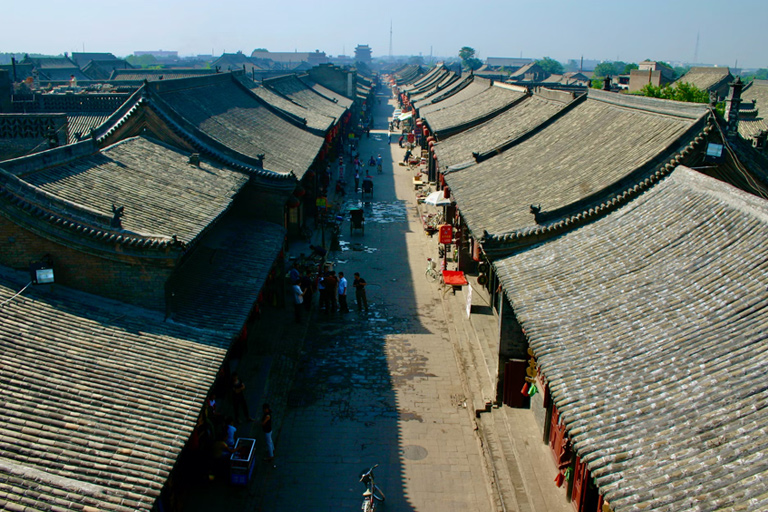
310, 174
430, 138
293, 202
299, 191
447, 192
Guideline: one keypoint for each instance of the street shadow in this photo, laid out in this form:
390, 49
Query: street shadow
360, 385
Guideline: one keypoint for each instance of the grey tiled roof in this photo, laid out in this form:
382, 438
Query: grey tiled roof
314, 119
425, 80
504, 127
751, 125
472, 110
227, 112
477, 86
592, 146
99, 397
649, 325
447, 79
220, 283
706, 78
299, 92
338, 99
158, 74
408, 74
79, 125
444, 89
163, 194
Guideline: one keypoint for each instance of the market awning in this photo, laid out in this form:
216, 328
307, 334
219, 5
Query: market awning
405, 115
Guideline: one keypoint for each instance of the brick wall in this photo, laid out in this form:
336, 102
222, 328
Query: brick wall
134, 280
333, 78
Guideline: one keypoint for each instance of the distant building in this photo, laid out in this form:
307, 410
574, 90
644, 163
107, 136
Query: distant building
291, 60
159, 54
650, 72
82, 58
531, 72
363, 53
510, 64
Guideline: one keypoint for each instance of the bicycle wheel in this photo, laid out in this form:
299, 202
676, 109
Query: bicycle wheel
378, 493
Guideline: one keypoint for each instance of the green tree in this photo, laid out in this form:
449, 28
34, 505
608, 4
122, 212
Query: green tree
614, 68
551, 66
680, 71
468, 59
760, 74
682, 91
143, 61
466, 52
604, 69
629, 67
261, 50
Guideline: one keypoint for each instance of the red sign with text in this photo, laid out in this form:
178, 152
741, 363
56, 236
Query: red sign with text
446, 234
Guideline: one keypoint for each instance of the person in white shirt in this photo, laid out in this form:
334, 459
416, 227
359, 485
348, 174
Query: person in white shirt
343, 293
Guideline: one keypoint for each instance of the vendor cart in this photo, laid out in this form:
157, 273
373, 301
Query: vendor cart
242, 461
368, 188
356, 220
453, 280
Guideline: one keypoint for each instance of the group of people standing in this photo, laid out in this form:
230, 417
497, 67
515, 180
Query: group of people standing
331, 288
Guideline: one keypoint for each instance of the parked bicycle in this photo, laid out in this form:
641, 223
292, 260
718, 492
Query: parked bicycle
372, 492
431, 271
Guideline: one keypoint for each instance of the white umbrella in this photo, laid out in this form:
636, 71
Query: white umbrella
437, 199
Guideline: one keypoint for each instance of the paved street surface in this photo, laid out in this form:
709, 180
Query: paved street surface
380, 387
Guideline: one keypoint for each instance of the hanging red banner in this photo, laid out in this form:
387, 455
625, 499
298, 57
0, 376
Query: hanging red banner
446, 234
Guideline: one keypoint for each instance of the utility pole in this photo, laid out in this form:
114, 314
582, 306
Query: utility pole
390, 39
696, 50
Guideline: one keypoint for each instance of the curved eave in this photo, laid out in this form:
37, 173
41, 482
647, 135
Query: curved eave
175, 122
38, 211
498, 245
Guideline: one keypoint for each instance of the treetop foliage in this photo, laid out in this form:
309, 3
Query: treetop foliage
551, 66
681, 91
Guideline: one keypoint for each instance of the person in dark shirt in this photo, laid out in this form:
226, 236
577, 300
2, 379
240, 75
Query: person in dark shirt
360, 297
266, 427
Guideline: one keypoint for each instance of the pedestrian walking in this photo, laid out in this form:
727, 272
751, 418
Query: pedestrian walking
357, 179
298, 300
266, 427
238, 398
359, 285
343, 293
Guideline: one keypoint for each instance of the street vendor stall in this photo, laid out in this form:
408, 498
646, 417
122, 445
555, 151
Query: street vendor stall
241, 462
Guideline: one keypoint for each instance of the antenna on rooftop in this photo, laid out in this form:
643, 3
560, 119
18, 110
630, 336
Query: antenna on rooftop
390, 38
696, 51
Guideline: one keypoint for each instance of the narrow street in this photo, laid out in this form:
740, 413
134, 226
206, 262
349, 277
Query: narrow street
380, 387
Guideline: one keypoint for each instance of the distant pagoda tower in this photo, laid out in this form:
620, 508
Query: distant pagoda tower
363, 53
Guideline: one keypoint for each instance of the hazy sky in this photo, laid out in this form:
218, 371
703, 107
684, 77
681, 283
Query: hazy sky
628, 30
